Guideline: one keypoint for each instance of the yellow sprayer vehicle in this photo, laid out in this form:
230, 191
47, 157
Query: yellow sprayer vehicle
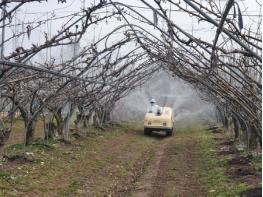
160, 121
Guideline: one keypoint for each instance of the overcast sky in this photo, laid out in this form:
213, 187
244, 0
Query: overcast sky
40, 11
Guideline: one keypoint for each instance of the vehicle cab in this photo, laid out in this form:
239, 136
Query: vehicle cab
160, 121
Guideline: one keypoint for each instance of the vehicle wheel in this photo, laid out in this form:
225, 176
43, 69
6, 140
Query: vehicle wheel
147, 131
169, 132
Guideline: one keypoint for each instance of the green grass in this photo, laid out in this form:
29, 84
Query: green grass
73, 188
52, 160
210, 168
257, 162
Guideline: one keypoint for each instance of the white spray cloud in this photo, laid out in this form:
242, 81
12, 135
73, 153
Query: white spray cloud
167, 91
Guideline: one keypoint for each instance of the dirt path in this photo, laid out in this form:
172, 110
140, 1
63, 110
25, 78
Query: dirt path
118, 163
175, 176
170, 171
164, 168
145, 185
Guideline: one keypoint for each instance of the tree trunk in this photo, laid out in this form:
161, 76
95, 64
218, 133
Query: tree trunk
236, 127
244, 135
95, 120
50, 130
59, 122
30, 125
30, 131
82, 120
4, 136
220, 117
66, 121
253, 142
226, 123
79, 121
107, 117
86, 120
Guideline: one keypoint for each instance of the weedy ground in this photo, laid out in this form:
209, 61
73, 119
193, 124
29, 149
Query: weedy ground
121, 161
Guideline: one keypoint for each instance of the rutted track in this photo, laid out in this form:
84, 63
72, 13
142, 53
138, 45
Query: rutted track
167, 170
119, 163
122, 162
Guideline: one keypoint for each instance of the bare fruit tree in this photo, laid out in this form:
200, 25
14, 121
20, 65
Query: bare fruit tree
96, 73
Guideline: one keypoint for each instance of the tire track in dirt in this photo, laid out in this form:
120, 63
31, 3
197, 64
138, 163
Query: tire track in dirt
147, 162
176, 170
131, 164
124, 167
170, 171
144, 186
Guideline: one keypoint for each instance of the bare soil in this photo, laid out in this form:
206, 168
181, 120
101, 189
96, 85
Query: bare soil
168, 171
124, 163
239, 168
